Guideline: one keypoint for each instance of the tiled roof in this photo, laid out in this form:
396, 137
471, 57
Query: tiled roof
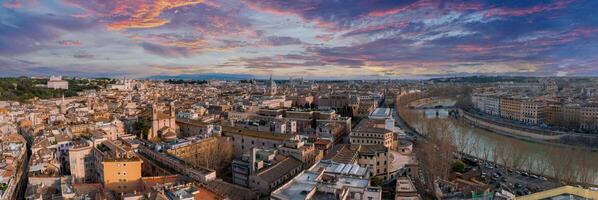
370, 125
231, 191
251, 133
347, 154
280, 169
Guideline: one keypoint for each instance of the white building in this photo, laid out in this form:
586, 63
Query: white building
329, 179
122, 85
56, 82
487, 103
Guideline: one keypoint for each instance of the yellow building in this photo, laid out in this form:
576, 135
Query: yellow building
122, 175
118, 167
510, 108
589, 118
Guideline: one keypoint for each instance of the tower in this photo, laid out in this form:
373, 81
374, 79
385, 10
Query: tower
154, 112
272, 87
153, 132
62, 105
172, 110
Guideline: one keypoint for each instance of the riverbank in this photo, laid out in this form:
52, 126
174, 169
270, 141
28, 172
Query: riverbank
560, 139
539, 158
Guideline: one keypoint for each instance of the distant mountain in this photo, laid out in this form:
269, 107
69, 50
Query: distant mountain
217, 76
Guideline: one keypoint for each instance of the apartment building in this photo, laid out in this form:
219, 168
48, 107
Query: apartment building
371, 131
329, 180
532, 112
118, 167
244, 140
510, 108
81, 161
487, 103
589, 117
553, 113
264, 170
308, 154
374, 157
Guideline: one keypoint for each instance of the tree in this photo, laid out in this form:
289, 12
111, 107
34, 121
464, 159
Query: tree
437, 151
458, 166
214, 153
143, 127
375, 181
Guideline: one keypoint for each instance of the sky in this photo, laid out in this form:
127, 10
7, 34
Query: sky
328, 39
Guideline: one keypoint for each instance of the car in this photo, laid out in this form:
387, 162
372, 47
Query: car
527, 192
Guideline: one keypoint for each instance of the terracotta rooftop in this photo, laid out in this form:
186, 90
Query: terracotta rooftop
280, 169
226, 130
370, 125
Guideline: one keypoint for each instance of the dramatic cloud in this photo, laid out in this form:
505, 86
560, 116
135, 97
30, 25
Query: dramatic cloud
281, 40
320, 39
23, 33
132, 13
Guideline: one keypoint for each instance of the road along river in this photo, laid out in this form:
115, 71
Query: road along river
554, 161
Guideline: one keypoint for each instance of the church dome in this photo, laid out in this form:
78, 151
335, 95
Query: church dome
169, 136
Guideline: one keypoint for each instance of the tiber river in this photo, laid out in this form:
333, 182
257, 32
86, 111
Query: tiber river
581, 165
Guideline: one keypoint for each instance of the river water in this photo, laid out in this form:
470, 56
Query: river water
540, 158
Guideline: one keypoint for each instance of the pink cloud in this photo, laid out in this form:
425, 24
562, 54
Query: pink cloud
12, 4
131, 13
69, 42
325, 37
394, 11
380, 27
468, 48
557, 5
